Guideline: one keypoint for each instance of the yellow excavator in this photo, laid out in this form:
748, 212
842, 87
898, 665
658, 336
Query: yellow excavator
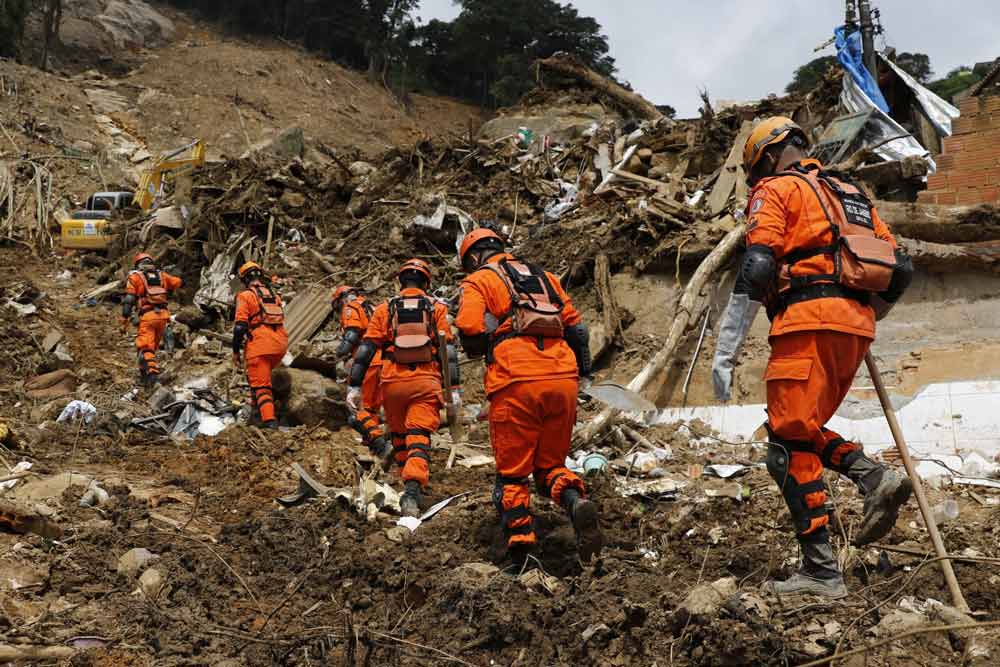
89, 228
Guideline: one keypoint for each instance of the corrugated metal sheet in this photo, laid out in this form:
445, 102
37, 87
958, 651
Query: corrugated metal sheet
305, 314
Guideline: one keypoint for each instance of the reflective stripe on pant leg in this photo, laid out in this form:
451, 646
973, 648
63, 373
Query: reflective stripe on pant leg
799, 474
399, 448
512, 499
263, 400
839, 454
368, 425
551, 482
418, 456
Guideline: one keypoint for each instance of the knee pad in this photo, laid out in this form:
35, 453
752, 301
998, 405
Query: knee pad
778, 461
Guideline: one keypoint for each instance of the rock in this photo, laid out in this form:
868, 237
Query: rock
51, 340
703, 603
310, 398
51, 385
161, 398
537, 581
151, 583
193, 317
50, 487
94, 495
361, 168
898, 621
287, 146
475, 574
597, 634
135, 561
82, 146
563, 125
292, 199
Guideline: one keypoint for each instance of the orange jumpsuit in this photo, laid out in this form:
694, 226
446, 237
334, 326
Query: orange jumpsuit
153, 320
265, 348
817, 346
411, 393
353, 315
532, 395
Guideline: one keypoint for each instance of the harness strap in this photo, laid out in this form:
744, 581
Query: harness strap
821, 291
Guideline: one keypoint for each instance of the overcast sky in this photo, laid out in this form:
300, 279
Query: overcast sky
746, 49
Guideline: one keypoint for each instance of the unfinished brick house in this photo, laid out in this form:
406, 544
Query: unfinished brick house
969, 165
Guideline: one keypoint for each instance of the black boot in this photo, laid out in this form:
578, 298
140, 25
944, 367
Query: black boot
583, 515
409, 502
882, 499
819, 573
382, 451
271, 424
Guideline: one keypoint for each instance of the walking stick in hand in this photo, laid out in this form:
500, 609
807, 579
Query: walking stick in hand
918, 488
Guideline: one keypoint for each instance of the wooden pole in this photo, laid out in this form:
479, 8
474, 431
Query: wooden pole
918, 487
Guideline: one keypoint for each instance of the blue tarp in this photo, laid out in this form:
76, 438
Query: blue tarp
849, 53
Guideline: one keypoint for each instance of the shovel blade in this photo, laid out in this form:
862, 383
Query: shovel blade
620, 398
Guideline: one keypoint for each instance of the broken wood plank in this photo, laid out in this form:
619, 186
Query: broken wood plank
719, 197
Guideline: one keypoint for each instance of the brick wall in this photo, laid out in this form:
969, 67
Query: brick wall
969, 164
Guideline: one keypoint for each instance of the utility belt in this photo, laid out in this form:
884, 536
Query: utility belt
387, 355
496, 340
817, 291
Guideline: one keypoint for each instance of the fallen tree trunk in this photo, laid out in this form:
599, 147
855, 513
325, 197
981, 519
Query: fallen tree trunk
687, 311
941, 224
947, 257
571, 67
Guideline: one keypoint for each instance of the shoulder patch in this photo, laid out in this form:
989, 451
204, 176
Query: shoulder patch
757, 203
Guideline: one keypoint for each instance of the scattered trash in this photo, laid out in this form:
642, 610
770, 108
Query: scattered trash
664, 488
21, 467
78, 409
945, 512
94, 495
725, 471
594, 463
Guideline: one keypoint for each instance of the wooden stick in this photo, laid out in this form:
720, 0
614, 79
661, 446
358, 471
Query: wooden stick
15, 476
904, 635
270, 234
918, 487
687, 312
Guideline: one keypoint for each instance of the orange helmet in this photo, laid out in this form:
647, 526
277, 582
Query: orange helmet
418, 265
341, 291
141, 257
768, 132
248, 267
474, 237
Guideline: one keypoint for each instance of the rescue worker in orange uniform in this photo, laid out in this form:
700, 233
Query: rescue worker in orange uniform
822, 262
406, 330
149, 288
259, 335
537, 349
355, 316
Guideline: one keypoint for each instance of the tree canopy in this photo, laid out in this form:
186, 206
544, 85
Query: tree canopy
917, 65
809, 75
484, 55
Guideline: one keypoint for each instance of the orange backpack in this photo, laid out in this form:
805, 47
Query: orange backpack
535, 308
155, 293
413, 334
269, 310
863, 263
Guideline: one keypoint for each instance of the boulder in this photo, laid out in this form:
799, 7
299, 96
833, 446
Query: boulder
309, 398
702, 604
151, 583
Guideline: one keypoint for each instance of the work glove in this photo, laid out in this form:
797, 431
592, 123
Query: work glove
736, 321
354, 399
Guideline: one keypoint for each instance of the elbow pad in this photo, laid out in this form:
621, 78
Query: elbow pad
127, 304
475, 346
454, 371
362, 360
578, 339
240, 334
902, 276
757, 273
350, 341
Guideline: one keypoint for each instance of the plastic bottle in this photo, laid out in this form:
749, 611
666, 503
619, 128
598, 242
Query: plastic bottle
945, 511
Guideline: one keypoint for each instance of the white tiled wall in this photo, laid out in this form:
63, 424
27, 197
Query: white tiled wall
943, 420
